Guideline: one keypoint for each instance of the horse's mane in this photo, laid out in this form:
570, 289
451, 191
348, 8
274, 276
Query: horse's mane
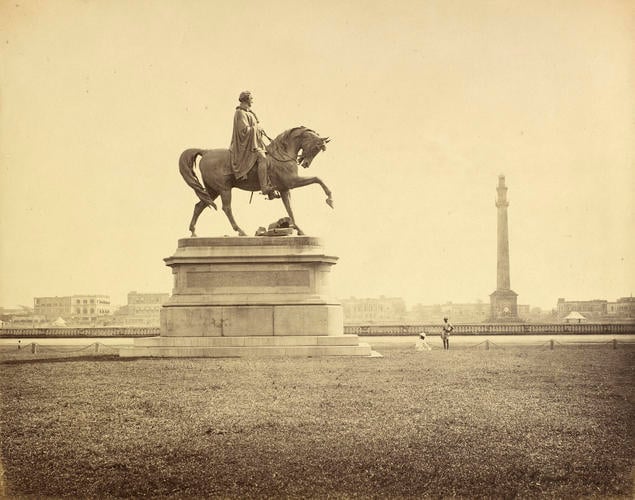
283, 138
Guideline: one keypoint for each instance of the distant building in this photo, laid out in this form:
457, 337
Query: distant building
374, 310
477, 312
466, 313
8, 314
52, 308
81, 309
524, 311
537, 315
622, 309
142, 309
89, 308
424, 313
20, 316
28, 321
457, 313
590, 309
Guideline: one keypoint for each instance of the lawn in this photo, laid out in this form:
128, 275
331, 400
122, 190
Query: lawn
514, 422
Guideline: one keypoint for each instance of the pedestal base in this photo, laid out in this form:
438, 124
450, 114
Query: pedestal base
503, 307
239, 347
251, 320
263, 296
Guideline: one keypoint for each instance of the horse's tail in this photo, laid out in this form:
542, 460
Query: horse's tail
186, 167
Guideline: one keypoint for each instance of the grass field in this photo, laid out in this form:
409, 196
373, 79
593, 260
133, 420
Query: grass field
503, 423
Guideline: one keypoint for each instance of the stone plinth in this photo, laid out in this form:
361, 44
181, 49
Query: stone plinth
241, 296
503, 307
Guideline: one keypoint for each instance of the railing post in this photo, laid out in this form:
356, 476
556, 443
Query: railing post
551, 342
96, 346
33, 348
614, 343
487, 344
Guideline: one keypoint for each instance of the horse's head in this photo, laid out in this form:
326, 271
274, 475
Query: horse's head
300, 143
310, 145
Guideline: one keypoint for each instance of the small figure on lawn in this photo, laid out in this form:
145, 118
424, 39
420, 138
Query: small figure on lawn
422, 343
445, 333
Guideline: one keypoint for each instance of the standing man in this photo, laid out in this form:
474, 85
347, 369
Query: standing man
247, 146
445, 333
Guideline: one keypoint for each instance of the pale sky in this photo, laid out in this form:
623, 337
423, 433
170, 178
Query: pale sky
426, 102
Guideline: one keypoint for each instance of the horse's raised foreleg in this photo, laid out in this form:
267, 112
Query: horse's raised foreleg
286, 199
305, 181
226, 197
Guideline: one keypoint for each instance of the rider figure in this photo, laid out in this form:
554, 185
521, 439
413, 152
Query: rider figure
247, 146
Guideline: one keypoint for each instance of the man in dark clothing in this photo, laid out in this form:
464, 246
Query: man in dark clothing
445, 333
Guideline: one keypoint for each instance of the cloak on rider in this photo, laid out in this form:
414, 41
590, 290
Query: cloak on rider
247, 145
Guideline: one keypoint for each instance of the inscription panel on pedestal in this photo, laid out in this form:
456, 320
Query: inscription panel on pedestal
221, 280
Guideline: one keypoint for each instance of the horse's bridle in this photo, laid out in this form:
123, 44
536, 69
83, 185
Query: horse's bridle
290, 158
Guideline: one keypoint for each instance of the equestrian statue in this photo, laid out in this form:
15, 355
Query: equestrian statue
276, 171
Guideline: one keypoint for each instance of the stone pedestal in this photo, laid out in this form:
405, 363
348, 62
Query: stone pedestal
259, 296
503, 307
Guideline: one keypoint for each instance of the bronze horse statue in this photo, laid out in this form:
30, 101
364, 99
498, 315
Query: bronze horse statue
284, 157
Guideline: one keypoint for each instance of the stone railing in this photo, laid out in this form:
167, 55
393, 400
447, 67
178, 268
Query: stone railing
495, 329
362, 330
105, 331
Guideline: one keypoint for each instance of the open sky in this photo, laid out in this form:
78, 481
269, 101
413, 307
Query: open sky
426, 102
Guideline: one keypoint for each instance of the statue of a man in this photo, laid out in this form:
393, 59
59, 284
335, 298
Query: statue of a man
247, 146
